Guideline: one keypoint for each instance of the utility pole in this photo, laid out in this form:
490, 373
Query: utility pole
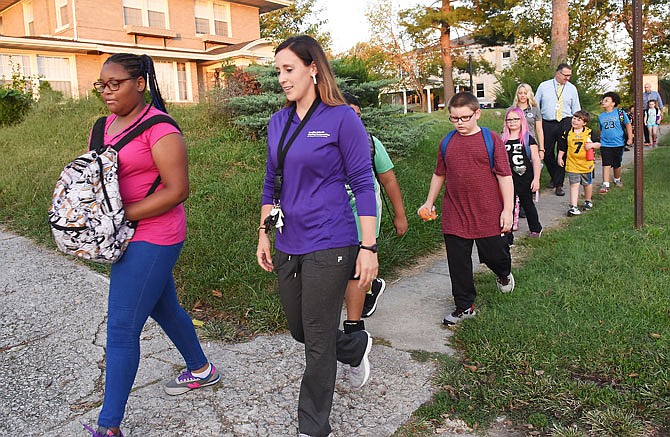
472, 90
638, 163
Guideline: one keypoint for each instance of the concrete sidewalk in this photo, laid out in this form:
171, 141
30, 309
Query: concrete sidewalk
52, 337
410, 312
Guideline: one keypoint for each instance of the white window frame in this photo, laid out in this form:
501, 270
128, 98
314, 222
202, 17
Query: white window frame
169, 86
144, 6
69, 76
28, 18
211, 17
60, 4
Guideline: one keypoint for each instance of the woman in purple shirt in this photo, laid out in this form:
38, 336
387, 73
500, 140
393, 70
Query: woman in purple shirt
315, 145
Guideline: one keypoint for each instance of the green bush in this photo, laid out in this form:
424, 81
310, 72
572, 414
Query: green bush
14, 105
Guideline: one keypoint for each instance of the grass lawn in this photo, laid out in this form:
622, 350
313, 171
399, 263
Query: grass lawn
580, 348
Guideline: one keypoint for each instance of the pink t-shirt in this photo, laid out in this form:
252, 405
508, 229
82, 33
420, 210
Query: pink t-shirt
472, 202
137, 172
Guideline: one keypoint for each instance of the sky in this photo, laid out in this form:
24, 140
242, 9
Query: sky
347, 23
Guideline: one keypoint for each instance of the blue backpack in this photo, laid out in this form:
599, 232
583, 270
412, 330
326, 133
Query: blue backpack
488, 140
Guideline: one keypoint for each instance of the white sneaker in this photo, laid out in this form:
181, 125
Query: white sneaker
505, 285
573, 210
360, 374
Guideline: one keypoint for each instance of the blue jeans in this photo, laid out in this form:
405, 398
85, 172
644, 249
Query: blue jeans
141, 285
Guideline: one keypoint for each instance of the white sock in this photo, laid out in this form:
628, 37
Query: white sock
606, 184
617, 179
203, 374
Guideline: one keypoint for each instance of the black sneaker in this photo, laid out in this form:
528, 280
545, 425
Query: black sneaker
371, 299
459, 315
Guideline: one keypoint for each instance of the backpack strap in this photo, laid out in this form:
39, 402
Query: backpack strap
445, 141
97, 137
97, 141
146, 124
371, 140
623, 126
488, 140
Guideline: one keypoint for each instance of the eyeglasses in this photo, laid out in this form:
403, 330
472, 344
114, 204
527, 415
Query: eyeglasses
512, 120
113, 84
566, 75
463, 119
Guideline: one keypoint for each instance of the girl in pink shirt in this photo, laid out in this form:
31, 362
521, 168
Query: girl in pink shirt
141, 282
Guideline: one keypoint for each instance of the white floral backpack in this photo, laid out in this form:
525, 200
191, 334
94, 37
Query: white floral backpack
86, 214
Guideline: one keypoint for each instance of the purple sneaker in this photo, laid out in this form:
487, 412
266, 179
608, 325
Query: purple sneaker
187, 382
101, 432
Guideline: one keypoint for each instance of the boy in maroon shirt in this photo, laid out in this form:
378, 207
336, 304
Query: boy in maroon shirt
477, 205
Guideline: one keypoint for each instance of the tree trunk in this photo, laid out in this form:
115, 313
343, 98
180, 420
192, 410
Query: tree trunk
447, 62
559, 31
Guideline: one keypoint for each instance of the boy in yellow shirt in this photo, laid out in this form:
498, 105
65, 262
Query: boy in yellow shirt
577, 146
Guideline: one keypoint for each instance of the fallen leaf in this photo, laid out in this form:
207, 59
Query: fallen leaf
470, 368
539, 372
198, 323
633, 375
655, 335
217, 293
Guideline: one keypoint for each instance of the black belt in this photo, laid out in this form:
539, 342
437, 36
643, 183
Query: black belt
556, 121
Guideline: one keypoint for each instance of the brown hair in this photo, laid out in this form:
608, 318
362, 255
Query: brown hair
309, 51
583, 115
464, 99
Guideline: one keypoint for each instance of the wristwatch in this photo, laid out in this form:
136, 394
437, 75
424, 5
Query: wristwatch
372, 248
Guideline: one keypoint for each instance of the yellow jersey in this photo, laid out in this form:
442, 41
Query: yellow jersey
572, 144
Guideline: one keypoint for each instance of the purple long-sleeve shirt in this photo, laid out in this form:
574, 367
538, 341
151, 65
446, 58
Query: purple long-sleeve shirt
331, 149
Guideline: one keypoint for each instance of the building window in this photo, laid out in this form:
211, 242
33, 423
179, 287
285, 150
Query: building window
506, 55
13, 64
480, 89
212, 17
174, 80
147, 13
28, 19
55, 70
62, 13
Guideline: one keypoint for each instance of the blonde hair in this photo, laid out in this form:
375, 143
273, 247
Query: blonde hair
529, 93
310, 52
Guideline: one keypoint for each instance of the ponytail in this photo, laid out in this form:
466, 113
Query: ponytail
154, 91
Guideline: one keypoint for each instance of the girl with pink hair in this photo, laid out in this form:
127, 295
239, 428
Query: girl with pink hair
524, 160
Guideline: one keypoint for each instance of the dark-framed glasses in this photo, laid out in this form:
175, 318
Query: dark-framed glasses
113, 84
462, 119
512, 120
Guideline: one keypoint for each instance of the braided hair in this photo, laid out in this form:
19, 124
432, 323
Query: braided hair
141, 66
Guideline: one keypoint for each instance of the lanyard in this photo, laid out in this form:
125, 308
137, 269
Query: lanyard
282, 149
558, 96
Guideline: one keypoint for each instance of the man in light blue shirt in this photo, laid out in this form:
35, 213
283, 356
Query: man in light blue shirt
558, 100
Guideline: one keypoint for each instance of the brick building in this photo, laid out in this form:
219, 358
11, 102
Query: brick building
65, 42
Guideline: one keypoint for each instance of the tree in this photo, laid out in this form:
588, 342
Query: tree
412, 53
560, 24
426, 22
299, 18
655, 33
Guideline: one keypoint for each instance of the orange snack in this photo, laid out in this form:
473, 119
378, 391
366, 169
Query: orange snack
426, 215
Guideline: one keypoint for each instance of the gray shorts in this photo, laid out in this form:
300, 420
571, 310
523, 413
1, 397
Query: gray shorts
580, 178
